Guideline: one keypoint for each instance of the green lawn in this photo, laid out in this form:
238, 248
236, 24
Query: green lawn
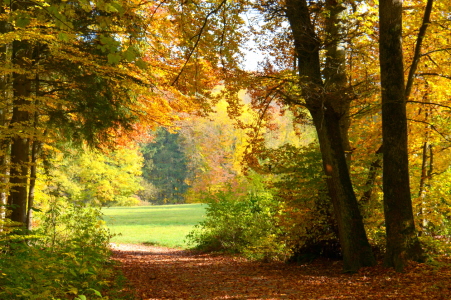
165, 225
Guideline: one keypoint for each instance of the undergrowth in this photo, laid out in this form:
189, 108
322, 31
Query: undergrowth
66, 257
243, 223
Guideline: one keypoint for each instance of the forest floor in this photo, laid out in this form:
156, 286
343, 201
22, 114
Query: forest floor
164, 273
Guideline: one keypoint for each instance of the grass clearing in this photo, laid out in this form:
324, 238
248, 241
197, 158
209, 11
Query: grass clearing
164, 225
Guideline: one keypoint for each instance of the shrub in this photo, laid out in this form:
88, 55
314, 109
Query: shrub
237, 223
297, 181
66, 258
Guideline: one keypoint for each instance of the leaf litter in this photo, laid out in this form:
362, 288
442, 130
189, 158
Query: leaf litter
155, 273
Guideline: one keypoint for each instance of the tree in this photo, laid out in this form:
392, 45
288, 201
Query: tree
214, 166
82, 175
402, 240
22, 56
38, 83
4, 143
93, 73
84, 71
329, 108
166, 167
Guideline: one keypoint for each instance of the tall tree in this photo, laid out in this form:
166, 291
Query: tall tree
20, 120
329, 108
402, 240
166, 167
4, 108
81, 67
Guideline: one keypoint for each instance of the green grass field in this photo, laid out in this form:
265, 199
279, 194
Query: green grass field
164, 225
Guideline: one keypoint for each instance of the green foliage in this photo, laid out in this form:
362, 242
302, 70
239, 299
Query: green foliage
165, 168
436, 246
307, 220
284, 211
240, 221
66, 258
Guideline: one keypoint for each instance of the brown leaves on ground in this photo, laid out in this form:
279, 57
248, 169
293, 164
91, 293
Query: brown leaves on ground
162, 273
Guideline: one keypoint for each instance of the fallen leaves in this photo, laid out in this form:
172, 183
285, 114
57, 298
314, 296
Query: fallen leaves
162, 273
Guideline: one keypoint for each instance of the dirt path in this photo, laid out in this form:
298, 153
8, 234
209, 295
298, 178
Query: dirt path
162, 273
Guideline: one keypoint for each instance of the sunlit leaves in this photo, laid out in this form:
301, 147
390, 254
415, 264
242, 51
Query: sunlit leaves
97, 178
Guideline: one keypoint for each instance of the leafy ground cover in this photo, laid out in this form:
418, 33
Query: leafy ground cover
163, 273
155, 272
165, 225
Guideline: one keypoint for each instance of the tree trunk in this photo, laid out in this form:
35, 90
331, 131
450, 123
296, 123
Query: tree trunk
334, 72
35, 149
4, 141
4, 150
371, 178
34, 154
356, 249
4, 147
426, 174
328, 109
402, 240
20, 123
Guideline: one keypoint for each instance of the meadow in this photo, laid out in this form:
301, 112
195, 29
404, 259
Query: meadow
163, 225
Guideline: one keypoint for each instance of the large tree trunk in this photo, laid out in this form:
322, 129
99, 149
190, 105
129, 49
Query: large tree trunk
334, 72
354, 243
329, 110
402, 240
20, 123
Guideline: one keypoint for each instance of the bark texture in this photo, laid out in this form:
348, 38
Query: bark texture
329, 109
20, 122
402, 240
371, 178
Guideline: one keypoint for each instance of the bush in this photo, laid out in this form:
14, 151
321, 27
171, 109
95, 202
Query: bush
312, 231
245, 224
298, 182
66, 258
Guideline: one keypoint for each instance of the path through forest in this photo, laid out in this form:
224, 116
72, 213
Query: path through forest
162, 273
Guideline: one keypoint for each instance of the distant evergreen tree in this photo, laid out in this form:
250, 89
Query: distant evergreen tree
165, 167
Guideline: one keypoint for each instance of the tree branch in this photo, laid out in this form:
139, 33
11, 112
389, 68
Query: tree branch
435, 74
429, 103
198, 36
417, 52
432, 126
433, 51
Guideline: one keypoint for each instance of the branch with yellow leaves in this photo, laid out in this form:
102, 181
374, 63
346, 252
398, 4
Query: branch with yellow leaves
198, 37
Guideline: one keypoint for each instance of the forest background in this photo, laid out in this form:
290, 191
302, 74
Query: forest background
122, 102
